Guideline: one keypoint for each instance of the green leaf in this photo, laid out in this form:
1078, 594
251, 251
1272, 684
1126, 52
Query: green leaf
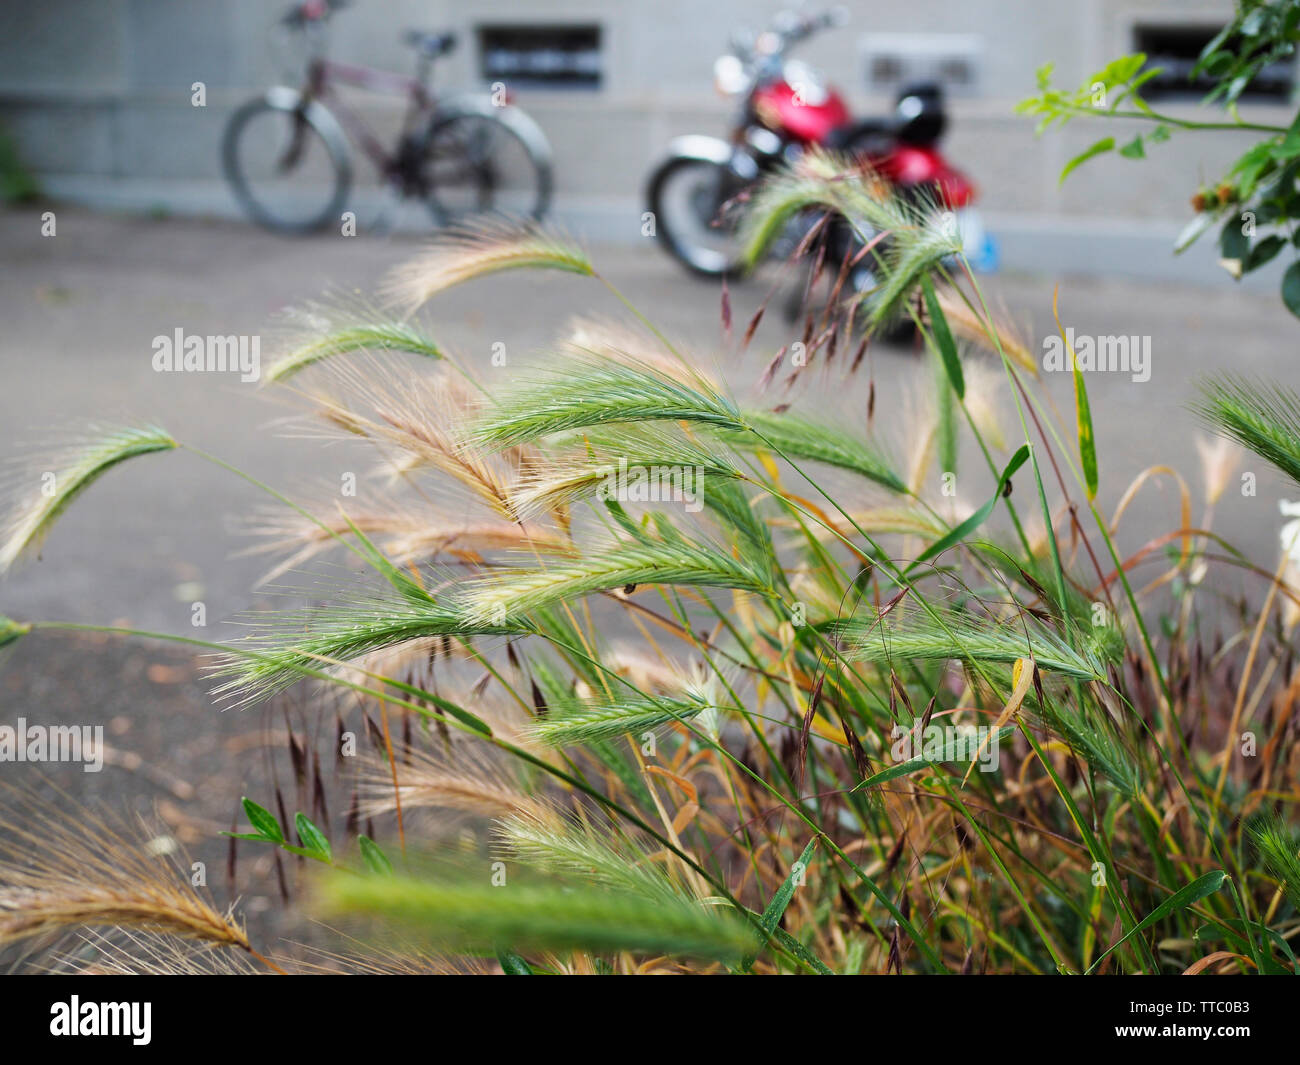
1180, 899
977, 519
1286, 149
1121, 70
1087, 441
621, 516
1198, 225
1265, 250
263, 821
902, 769
1135, 97
1134, 149
1216, 66
313, 839
512, 964
401, 581
1102, 146
788, 942
945, 417
1291, 288
1253, 164
1213, 47
1252, 23
1083, 417
943, 339
376, 860
448, 707
1234, 245
776, 908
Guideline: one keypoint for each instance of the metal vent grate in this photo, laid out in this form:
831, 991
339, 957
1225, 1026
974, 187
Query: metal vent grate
1175, 48
542, 55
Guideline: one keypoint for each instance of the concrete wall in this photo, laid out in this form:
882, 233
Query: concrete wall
97, 95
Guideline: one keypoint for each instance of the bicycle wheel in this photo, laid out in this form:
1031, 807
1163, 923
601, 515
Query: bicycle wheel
286, 161
477, 162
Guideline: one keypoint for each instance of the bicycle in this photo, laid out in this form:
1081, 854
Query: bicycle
285, 153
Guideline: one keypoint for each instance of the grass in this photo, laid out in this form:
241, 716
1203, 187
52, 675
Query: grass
680, 726
330, 334
93, 870
39, 504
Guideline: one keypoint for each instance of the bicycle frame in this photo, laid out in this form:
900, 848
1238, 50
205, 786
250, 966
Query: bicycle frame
323, 74
443, 146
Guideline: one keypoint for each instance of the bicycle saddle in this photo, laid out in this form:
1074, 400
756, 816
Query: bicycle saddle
431, 45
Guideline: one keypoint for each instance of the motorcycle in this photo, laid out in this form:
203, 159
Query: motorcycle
697, 192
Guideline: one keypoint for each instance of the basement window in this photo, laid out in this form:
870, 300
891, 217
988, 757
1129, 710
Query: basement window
542, 56
1176, 49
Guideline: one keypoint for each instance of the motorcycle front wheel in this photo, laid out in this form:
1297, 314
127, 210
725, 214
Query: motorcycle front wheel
690, 201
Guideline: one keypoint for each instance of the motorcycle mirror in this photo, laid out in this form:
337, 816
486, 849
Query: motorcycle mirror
741, 42
787, 22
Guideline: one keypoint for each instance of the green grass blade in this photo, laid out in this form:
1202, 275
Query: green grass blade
1180, 899
381, 335
819, 441
51, 495
1083, 412
943, 339
528, 918
964, 530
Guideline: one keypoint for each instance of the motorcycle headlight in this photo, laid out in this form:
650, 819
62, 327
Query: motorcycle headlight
729, 76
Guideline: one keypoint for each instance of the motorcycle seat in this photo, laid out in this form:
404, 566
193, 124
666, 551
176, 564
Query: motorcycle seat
921, 118
861, 134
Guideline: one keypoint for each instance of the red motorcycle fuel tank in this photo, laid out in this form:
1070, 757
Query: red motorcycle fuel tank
907, 165
809, 120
